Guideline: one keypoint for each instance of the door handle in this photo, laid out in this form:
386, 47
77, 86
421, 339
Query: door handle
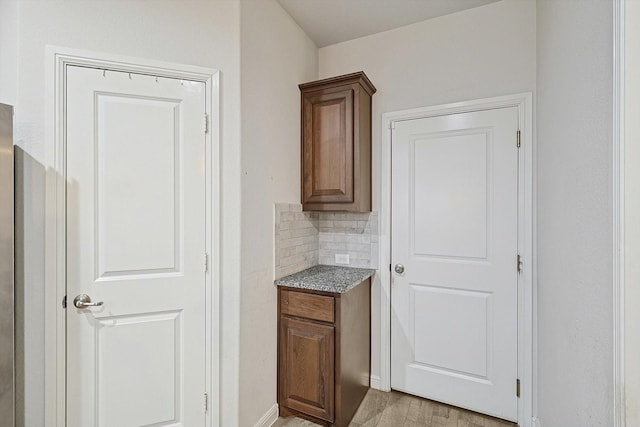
399, 268
84, 301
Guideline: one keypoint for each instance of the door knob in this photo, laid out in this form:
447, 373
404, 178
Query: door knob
399, 268
84, 301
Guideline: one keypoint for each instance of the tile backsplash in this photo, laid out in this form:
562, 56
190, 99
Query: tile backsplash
296, 239
354, 234
304, 239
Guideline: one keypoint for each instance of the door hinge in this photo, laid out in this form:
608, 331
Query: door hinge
206, 123
64, 302
206, 262
206, 403
392, 125
518, 387
518, 139
519, 263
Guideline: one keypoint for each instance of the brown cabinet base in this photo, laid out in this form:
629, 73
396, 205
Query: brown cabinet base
323, 366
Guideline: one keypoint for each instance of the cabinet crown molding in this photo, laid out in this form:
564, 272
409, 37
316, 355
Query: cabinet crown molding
357, 77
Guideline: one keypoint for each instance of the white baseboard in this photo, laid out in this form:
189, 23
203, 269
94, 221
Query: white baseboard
374, 382
270, 417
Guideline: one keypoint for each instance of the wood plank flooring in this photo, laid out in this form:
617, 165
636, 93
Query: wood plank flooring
395, 409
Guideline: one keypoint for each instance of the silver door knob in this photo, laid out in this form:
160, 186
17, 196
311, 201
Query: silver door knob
84, 301
399, 268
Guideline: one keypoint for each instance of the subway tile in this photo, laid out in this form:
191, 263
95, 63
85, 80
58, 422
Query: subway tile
325, 237
359, 216
339, 216
300, 232
355, 231
292, 259
281, 207
308, 239
335, 246
359, 247
288, 216
359, 263
285, 252
305, 223
287, 243
345, 224
326, 260
359, 238
360, 255
340, 238
309, 247
284, 225
285, 234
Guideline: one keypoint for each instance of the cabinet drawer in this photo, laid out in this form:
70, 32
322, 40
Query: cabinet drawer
316, 307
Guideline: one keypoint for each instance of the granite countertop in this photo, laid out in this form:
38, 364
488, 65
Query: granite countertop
327, 278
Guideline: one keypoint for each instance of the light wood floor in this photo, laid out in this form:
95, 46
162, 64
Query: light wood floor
380, 409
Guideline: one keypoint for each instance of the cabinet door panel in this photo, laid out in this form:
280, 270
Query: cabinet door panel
328, 147
306, 367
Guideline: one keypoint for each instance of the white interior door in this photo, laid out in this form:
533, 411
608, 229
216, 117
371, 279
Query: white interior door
455, 231
135, 177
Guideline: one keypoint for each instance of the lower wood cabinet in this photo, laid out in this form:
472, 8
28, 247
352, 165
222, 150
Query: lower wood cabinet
324, 351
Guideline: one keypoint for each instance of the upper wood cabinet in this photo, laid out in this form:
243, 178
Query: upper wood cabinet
336, 143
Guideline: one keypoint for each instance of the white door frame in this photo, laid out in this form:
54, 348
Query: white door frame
618, 211
526, 244
58, 59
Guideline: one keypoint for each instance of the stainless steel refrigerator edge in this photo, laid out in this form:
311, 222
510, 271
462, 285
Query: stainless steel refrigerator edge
7, 333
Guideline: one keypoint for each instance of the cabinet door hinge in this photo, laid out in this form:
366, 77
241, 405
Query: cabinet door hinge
206, 403
518, 387
519, 263
518, 139
206, 262
206, 123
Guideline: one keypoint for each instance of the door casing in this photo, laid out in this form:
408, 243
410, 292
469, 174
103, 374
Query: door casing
58, 58
526, 242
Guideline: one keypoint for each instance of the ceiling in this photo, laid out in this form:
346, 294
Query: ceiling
334, 21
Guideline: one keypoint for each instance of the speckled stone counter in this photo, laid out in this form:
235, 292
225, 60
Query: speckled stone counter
327, 278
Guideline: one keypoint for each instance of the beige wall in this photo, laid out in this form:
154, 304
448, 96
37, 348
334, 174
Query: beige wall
276, 56
632, 212
204, 33
574, 220
562, 47
482, 52
8, 51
